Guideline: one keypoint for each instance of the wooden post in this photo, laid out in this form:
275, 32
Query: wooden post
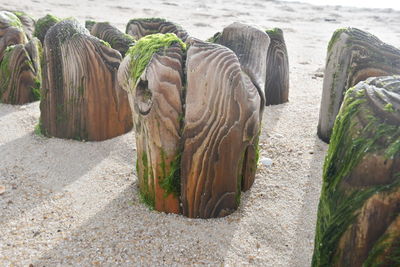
28, 23
277, 79
11, 31
110, 34
43, 25
353, 55
20, 74
139, 28
155, 85
81, 98
197, 124
250, 45
359, 210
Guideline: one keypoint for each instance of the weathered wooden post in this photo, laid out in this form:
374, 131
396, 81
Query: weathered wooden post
359, 210
43, 25
139, 28
19, 62
81, 98
28, 23
110, 34
277, 79
197, 124
353, 55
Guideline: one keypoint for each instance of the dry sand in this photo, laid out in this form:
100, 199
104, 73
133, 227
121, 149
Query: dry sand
74, 203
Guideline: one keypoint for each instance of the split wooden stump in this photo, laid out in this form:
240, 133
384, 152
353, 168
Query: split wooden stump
20, 74
81, 98
359, 210
277, 78
110, 34
353, 55
139, 28
197, 116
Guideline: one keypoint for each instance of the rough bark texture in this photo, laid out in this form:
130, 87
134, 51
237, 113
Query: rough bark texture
277, 79
222, 123
81, 98
139, 28
358, 215
110, 34
353, 56
43, 25
20, 75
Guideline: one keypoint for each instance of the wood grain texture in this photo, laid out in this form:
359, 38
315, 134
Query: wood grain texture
222, 122
11, 31
277, 78
20, 75
358, 215
81, 98
28, 23
157, 111
251, 46
117, 39
139, 28
353, 55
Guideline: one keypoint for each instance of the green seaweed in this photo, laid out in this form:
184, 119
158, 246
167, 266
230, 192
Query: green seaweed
39, 129
142, 52
14, 21
389, 107
5, 72
89, 24
214, 38
36, 89
274, 31
335, 37
145, 194
105, 43
379, 248
338, 209
43, 25
171, 181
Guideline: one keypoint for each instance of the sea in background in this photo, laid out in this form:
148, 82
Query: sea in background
356, 3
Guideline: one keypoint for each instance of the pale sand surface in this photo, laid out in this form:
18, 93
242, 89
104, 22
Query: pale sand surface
73, 203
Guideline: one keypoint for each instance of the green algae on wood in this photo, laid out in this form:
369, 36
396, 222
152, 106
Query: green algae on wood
43, 25
142, 52
361, 173
138, 28
20, 73
353, 55
156, 103
114, 37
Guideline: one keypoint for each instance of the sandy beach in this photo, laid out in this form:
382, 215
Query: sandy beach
71, 203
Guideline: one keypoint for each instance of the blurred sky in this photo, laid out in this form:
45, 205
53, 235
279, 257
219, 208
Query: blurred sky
395, 4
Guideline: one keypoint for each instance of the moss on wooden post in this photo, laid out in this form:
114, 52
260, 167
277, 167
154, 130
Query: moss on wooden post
358, 213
